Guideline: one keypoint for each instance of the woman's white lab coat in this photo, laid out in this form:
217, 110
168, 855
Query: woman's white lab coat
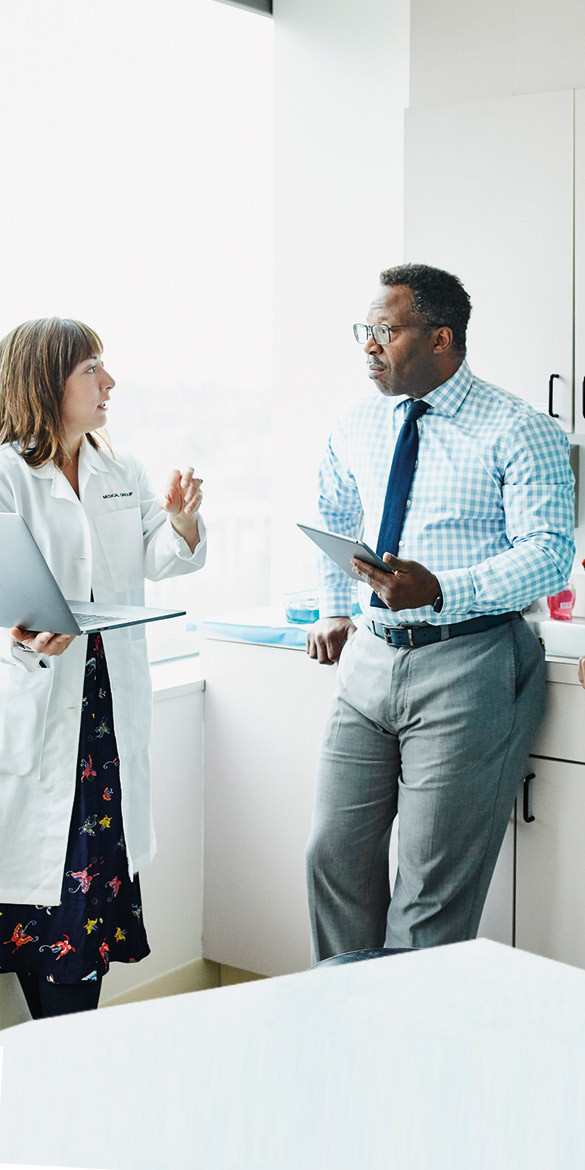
107, 541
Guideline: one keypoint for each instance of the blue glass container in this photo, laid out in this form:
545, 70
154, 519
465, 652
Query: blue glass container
301, 607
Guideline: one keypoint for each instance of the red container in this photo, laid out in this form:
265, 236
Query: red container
561, 604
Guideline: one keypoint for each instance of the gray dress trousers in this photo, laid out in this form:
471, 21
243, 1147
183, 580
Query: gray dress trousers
439, 735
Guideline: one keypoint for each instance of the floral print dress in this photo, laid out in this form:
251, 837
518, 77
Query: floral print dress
99, 919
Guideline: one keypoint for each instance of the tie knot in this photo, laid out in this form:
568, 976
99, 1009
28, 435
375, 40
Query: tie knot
416, 407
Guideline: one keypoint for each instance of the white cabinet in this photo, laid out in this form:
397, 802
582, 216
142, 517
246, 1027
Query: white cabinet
550, 875
580, 261
497, 920
265, 709
489, 196
550, 865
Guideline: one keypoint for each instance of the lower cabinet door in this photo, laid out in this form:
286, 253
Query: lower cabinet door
265, 709
550, 874
497, 920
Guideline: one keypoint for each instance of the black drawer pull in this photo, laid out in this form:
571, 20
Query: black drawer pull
550, 395
526, 814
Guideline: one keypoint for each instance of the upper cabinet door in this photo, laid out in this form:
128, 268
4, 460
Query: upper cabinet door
489, 196
580, 261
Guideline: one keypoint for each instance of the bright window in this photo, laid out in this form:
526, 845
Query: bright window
137, 196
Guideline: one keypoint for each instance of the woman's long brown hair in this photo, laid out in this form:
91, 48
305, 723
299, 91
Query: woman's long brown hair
36, 360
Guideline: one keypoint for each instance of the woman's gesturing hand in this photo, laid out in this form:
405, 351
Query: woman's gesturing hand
182, 501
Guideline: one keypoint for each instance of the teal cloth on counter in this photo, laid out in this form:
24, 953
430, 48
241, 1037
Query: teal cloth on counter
267, 626
269, 635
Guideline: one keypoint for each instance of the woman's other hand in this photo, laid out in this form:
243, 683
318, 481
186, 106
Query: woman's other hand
182, 500
582, 671
42, 643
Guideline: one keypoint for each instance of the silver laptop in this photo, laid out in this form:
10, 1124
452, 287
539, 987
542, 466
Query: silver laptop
31, 598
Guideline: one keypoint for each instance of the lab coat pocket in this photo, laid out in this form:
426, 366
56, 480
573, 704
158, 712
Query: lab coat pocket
120, 535
24, 704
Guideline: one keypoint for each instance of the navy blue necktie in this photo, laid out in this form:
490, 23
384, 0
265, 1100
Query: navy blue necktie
399, 481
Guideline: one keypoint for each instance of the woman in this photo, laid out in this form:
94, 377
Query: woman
75, 822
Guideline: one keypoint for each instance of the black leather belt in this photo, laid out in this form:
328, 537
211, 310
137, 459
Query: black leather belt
423, 635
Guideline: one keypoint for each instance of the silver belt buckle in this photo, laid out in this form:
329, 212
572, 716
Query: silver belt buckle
388, 636
410, 637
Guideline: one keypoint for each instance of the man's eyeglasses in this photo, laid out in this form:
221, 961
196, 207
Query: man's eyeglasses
382, 334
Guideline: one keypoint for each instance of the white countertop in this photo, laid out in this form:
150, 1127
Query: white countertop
176, 676
263, 626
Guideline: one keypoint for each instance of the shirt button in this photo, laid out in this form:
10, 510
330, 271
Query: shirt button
408, 503
94, 901
93, 861
400, 544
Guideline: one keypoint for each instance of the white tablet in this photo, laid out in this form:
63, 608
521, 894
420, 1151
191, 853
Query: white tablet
342, 548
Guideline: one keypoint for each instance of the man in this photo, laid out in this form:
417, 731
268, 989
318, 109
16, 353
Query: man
441, 689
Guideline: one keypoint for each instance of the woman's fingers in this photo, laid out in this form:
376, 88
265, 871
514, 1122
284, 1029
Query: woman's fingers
193, 496
43, 642
183, 492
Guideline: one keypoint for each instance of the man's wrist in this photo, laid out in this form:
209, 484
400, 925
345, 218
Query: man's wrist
435, 594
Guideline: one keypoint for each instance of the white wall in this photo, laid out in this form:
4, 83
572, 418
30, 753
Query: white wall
341, 71
467, 49
464, 50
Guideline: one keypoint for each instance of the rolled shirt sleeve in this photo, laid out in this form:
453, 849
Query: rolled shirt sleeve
339, 510
538, 500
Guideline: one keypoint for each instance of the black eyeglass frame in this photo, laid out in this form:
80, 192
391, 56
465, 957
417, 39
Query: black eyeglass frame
384, 331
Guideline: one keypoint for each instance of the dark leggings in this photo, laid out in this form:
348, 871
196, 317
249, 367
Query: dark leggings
58, 999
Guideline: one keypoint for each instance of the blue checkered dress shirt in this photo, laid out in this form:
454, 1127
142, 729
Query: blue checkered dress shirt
490, 509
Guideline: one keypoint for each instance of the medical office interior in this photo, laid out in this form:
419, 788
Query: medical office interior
225, 236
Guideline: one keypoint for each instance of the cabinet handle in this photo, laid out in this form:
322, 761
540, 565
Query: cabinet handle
526, 814
550, 395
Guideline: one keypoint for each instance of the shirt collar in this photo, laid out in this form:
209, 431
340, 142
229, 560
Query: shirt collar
89, 456
92, 457
44, 472
448, 397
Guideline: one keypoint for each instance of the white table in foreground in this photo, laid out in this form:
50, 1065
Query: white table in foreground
464, 1057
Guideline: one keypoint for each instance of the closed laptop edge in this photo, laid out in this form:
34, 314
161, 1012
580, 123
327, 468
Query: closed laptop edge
31, 598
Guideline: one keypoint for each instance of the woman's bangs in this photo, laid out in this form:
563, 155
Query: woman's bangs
85, 343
